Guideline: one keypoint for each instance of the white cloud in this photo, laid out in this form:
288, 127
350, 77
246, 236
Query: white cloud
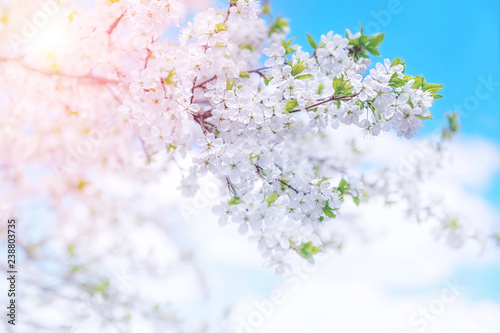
352, 291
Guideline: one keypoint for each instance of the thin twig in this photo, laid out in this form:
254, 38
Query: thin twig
89, 77
115, 23
331, 99
231, 187
205, 82
259, 171
258, 70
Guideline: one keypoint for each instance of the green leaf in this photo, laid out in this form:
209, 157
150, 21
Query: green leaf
287, 45
170, 147
234, 201
320, 88
410, 103
297, 69
312, 42
364, 43
324, 179
453, 122
397, 82
424, 118
373, 50
266, 9
342, 185
341, 86
221, 27
291, 105
419, 82
432, 87
303, 77
356, 200
398, 61
169, 79
328, 211
244, 75
246, 46
100, 288
229, 84
278, 25
307, 250
272, 198
376, 40
81, 185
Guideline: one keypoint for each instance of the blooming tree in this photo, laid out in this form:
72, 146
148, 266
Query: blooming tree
103, 94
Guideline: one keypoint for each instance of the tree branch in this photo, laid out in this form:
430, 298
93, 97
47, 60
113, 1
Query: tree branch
115, 23
331, 99
87, 77
205, 82
231, 187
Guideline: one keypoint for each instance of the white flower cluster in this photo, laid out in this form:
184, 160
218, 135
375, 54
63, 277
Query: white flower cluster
250, 116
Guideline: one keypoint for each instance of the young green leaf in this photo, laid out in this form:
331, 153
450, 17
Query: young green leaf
424, 118
287, 45
342, 185
320, 88
376, 40
272, 198
397, 82
291, 105
373, 50
312, 42
234, 201
341, 86
398, 61
307, 250
221, 27
432, 87
297, 69
278, 25
305, 76
229, 84
328, 211
360, 28
419, 82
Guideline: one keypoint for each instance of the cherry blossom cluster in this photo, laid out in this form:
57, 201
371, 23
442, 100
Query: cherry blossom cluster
252, 117
248, 117
102, 107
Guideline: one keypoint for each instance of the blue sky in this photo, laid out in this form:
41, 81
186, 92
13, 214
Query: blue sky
455, 43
